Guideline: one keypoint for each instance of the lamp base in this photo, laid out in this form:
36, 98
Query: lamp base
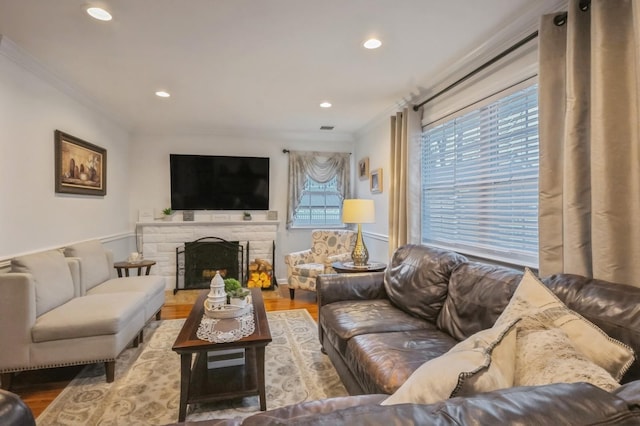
360, 254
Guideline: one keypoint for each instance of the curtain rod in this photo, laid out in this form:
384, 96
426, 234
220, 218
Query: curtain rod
491, 61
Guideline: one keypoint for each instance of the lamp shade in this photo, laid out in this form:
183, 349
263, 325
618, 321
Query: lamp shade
358, 211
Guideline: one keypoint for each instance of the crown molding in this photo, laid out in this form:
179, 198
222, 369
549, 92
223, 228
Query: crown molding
518, 27
22, 58
260, 134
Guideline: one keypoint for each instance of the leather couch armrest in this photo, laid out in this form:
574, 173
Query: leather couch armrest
13, 411
292, 413
630, 392
332, 288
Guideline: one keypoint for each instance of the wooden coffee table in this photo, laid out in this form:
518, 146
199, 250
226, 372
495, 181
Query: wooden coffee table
200, 384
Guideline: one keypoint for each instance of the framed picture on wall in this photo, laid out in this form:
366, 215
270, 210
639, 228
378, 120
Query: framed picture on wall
363, 168
375, 181
80, 167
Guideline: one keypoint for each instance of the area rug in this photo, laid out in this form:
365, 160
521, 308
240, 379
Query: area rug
147, 386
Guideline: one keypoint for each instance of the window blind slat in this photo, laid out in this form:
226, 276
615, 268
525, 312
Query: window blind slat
480, 179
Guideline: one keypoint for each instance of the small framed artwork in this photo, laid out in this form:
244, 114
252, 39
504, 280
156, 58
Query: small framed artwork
81, 167
375, 181
363, 168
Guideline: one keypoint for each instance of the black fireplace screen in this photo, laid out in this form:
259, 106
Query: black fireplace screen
198, 261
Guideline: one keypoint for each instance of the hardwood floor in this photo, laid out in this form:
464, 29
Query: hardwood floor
39, 388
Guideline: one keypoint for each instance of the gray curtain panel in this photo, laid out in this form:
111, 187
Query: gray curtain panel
398, 171
589, 142
319, 166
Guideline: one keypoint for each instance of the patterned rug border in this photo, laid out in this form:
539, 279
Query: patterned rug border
146, 389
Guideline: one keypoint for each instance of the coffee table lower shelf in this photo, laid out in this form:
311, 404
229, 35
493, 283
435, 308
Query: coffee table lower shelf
216, 384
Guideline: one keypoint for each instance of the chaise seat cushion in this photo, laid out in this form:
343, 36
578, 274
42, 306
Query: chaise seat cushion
101, 314
343, 320
387, 360
152, 286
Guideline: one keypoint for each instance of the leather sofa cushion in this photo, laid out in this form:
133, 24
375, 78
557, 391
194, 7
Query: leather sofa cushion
101, 314
481, 363
94, 266
478, 293
382, 362
343, 320
51, 276
417, 279
303, 410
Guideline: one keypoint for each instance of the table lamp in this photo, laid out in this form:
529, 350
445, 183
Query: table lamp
359, 211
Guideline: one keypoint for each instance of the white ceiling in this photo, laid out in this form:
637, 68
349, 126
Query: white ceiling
263, 65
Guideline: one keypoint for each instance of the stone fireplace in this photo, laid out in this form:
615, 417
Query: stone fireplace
197, 262
160, 239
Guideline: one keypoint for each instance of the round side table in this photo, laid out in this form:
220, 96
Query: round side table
126, 265
349, 267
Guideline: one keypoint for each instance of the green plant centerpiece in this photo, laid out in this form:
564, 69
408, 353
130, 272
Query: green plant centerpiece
240, 293
234, 289
167, 213
246, 216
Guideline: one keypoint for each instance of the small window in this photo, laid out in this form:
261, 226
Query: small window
320, 205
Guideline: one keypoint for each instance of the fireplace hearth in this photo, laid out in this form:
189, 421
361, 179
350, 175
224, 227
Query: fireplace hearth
198, 261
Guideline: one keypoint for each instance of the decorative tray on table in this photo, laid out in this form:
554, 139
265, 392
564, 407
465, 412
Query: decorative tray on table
225, 311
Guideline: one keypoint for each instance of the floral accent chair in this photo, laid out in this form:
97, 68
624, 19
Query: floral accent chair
327, 246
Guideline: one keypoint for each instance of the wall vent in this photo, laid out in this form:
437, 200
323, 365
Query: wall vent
326, 127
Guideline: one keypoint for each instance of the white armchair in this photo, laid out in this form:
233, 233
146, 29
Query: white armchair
327, 246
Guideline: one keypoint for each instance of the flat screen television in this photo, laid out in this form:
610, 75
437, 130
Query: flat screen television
212, 182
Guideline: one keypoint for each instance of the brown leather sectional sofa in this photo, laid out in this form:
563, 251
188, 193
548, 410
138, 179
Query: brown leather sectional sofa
378, 328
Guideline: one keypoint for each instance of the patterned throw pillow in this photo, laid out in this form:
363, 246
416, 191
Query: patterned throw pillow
481, 363
545, 355
532, 298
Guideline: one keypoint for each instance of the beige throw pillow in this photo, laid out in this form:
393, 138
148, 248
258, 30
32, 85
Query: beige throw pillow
545, 355
532, 298
51, 276
483, 362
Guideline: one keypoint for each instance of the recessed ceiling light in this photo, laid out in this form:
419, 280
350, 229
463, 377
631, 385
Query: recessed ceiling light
372, 43
163, 94
325, 105
99, 14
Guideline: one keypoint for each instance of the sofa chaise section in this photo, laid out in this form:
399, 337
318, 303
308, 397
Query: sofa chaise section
55, 313
96, 266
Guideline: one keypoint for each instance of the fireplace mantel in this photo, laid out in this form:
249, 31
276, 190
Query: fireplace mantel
158, 240
202, 222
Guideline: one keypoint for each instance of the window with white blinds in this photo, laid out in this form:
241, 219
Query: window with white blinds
479, 179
